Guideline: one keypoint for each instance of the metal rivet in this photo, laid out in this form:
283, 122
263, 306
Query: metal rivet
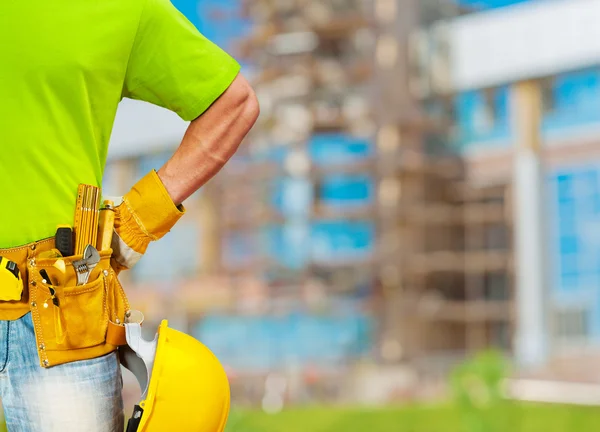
118, 321
105, 272
32, 263
45, 305
33, 304
128, 314
46, 363
42, 347
32, 247
33, 283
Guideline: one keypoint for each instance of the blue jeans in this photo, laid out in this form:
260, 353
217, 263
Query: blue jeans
79, 396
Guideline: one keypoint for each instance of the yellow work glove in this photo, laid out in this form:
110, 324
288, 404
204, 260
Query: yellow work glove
147, 213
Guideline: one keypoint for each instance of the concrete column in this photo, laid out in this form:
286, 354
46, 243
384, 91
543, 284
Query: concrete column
532, 291
208, 220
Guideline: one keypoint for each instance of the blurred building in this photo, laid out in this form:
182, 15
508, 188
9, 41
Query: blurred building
363, 240
525, 79
564, 68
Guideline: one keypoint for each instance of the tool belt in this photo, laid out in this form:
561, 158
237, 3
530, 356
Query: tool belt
71, 322
75, 298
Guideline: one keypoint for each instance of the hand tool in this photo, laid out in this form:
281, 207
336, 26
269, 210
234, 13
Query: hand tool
63, 240
106, 225
79, 210
11, 284
59, 324
52, 253
95, 216
46, 279
84, 266
60, 266
86, 218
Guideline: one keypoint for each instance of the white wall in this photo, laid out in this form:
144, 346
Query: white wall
524, 41
141, 128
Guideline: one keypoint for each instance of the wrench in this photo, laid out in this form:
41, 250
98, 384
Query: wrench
84, 266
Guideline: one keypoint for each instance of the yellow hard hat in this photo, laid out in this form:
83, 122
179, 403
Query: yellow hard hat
184, 387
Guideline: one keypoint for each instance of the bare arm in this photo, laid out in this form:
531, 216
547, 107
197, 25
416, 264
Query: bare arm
210, 141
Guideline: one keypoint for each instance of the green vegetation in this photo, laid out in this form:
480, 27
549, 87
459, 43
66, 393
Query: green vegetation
477, 406
478, 395
448, 418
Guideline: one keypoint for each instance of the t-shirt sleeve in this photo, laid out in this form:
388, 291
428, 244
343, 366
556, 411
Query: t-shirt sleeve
174, 66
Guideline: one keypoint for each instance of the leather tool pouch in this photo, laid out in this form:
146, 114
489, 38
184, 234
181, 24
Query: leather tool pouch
68, 316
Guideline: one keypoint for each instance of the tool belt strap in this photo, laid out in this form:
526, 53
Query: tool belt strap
115, 335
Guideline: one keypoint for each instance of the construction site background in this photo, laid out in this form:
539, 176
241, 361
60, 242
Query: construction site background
394, 210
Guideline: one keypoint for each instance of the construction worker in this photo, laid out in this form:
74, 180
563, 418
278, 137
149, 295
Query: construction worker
64, 67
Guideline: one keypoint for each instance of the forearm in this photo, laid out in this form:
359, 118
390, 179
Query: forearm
210, 141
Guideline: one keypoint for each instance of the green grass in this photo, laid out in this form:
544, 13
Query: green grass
446, 418
517, 418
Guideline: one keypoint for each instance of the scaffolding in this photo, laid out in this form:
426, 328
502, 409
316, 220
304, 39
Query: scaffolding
439, 278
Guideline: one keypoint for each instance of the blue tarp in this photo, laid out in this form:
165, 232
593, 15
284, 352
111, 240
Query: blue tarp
490, 4
335, 149
272, 342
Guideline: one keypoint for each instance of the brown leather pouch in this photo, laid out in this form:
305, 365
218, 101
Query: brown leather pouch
70, 316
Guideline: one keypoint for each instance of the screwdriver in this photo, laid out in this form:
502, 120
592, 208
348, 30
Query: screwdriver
47, 280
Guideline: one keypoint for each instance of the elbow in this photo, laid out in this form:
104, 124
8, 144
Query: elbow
251, 107
246, 101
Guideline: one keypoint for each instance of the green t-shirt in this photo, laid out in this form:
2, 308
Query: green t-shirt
64, 67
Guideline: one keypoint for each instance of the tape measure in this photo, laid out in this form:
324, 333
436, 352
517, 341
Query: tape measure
11, 284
